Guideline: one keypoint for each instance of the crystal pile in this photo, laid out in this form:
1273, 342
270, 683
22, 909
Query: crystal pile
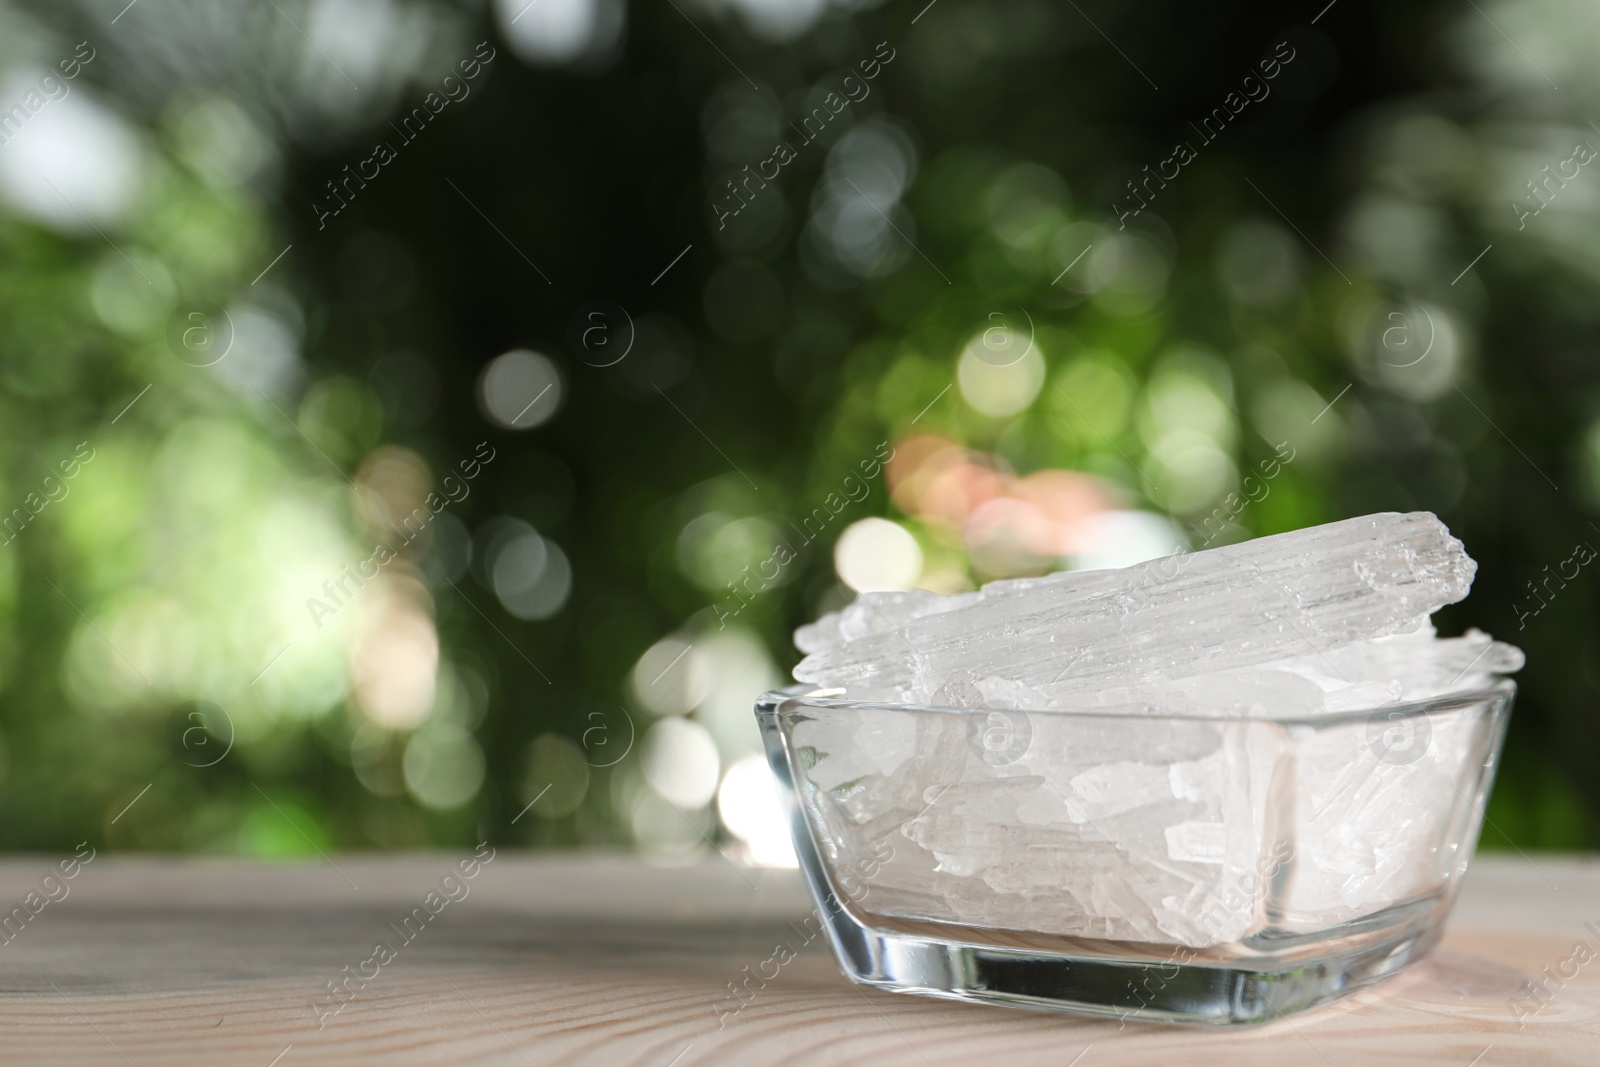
1101, 826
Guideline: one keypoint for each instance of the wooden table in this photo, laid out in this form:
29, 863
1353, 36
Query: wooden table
608, 960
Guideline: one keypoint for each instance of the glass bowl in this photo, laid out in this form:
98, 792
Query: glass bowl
1152, 867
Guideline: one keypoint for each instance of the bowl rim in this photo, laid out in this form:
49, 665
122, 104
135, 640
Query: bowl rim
1502, 688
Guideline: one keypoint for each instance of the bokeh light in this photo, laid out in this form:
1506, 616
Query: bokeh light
680, 762
530, 575
557, 32
394, 659
444, 766
750, 808
671, 677
520, 389
74, 164
994, 378
875, 554
557, 776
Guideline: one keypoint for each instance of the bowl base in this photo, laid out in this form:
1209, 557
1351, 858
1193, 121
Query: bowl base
1241, 993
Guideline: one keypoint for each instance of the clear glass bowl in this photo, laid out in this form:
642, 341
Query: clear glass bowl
1200, 870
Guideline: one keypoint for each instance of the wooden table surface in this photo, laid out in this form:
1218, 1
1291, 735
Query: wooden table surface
608, 960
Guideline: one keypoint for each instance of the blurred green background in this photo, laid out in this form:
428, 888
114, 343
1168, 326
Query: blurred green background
652, 368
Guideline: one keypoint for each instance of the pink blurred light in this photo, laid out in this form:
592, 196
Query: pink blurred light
1067, 500
1010, 525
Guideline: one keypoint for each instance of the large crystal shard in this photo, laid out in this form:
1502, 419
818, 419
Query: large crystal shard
1292, 595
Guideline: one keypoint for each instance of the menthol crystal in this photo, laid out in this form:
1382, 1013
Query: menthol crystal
1094, 822
1280, 597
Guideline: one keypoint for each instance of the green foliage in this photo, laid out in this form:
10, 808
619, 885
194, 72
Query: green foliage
943, 269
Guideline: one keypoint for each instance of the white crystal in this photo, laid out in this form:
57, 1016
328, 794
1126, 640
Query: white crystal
1272, 598
1098, 825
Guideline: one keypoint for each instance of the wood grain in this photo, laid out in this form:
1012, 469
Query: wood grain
607, 960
